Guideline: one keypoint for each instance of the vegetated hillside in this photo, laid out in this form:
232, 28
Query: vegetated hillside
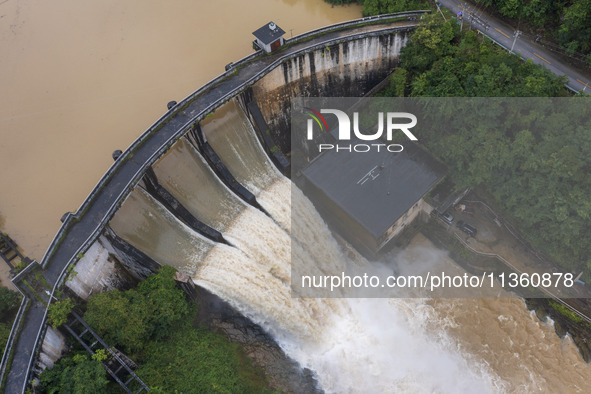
567, 22
153, 324
564, 23
542, 179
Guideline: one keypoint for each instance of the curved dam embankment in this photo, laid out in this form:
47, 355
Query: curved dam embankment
348, 61
345, 59
230, 144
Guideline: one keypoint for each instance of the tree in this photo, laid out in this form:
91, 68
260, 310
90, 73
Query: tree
8, 302
165, 303
121, 318
129, 318
59, 311
567, 21
542, 12
397, 83
537, 170
4, 334
340, 2
575, 30
74, 375
194, 360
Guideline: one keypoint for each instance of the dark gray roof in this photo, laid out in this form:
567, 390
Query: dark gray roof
266, 35
375, 188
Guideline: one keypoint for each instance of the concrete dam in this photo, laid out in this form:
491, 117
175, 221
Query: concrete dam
205, 190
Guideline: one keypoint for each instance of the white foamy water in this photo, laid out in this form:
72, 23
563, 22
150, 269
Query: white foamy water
362, 345
353, 345
276, 200
384, 346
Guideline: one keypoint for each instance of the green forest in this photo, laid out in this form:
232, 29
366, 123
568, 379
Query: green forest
565, 22
9, 302
153, 325
542, 180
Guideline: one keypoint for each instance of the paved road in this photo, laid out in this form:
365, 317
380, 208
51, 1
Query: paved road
103, 203
503, 33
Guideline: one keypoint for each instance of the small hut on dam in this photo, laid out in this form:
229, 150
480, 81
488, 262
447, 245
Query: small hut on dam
269, 37
369, 198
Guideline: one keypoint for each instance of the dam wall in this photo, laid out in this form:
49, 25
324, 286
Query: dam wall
96, 272
343, 69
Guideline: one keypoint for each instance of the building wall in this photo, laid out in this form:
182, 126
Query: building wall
340, 221
352, 231
52, 348
267, 47
276, 44
404, 221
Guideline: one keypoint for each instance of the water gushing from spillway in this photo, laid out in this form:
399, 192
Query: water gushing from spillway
149, 226
369, 345
354, 345
232, 137
185, 174
330, 336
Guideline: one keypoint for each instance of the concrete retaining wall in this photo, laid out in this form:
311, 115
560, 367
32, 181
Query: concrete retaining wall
346, 69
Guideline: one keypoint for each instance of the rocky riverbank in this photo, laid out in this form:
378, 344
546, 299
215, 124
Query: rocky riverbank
282, 373
565, 321
579, 331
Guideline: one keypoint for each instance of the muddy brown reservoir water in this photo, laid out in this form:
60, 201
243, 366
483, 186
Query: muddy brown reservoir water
81, 79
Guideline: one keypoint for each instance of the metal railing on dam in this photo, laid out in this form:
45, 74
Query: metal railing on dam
79, 230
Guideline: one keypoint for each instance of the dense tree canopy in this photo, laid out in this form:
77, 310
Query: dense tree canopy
128, 318
8, 303
575, 30
375, 7
76, 374
58, 312
153, 324
566, 21
539, 171
534, 160
342, 2
195, 360
441, 64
